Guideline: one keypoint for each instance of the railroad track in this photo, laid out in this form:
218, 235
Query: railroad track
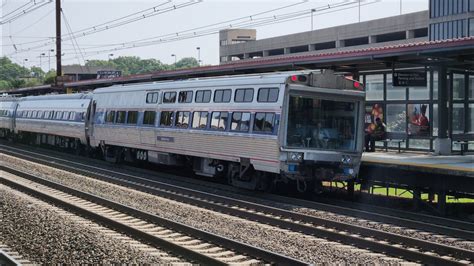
378, 241
412, 220
194, 245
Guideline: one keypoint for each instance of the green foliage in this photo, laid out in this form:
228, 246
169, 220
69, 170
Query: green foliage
131, 65
15, 76
5, 85
10, 70
50, 77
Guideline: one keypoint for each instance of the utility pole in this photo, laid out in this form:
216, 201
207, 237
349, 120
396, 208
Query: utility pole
58, 39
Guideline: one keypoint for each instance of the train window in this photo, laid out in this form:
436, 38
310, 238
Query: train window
132, 117
203, 96
185, 96
121, 117
83, 116
182, 119
166, 118
149, 118
152, 97
169, 97
243, 95
110, 117
264, 122
34, 114
40, 114
269, 95
51, 116
46, 114
222, 96
219, 120
72, 116
240, 122
200, 120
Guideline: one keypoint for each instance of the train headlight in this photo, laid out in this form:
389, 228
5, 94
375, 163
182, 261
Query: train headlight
346, 159
296, 156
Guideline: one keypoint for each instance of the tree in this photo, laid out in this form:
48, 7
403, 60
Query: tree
10, 71
50, 77
187, 62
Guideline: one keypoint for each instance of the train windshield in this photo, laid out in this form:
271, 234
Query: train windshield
325, 124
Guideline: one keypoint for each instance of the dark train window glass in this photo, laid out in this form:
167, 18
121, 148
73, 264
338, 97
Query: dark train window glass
200, 120
149, 118
72, 116
182, 119
121, 117
243, 95
35, 113
268, 95
203, 96
219, 120
222, 96
263, 122
169, 97
240, 122
40, 114
185, 97
166, 119
132, 117
65, 115
152, 97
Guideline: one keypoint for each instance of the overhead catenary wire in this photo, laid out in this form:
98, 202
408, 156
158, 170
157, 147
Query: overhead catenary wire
249, 23
36, 5
137, 16
73, 40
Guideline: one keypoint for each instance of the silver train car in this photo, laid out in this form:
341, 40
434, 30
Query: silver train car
7, 116
254, 130
58, 120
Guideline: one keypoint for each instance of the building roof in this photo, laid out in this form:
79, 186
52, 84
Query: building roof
77, 69
454, 53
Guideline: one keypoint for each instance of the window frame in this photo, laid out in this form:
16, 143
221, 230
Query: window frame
267, 100
117, 115
154, 97
198, 92
219, 121
128, 118
171, 118
144, 118
200, 118
244, 95
255, 130
187, 99
223, 91
169, 93
177, 122
239, 123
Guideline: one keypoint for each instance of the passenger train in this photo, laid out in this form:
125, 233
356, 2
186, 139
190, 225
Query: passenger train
254, 130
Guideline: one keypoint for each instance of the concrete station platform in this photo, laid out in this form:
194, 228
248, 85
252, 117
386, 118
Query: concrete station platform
457, 165
420, 172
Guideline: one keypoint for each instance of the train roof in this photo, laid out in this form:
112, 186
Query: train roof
241, 80
74, 96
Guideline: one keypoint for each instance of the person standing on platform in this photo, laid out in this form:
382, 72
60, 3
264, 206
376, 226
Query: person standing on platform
376, 135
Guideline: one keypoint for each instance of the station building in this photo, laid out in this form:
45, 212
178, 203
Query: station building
424, 116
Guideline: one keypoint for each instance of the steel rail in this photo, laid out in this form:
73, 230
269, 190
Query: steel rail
439, 225
208, 200
255, 252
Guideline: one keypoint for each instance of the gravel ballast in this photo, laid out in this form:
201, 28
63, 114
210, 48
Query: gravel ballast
42, 235
307, 248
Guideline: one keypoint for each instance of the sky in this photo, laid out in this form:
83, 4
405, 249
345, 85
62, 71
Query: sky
181, 25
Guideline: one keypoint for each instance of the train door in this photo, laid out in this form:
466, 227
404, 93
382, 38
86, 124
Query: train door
90, 121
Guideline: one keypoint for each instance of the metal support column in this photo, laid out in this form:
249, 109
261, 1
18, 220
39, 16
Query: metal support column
416, 198
443, 142
442, 202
